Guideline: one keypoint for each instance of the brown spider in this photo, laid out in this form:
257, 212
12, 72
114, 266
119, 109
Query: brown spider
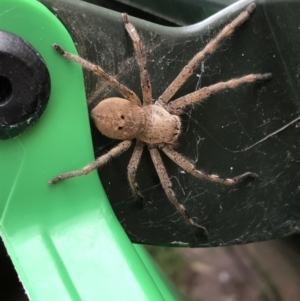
156, 124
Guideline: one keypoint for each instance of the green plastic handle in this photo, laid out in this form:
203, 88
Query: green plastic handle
63, 249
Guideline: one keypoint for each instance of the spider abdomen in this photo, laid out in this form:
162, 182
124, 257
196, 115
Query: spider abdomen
119, 118
160, 126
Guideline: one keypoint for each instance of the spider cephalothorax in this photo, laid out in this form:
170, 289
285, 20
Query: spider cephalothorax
156, 124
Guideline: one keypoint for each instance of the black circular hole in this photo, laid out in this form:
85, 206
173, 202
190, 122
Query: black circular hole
120, 128
5, 90
122, 116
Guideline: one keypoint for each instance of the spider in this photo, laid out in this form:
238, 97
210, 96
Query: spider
156, 123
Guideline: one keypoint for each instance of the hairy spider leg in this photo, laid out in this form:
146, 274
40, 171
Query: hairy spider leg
114, 152
126, 92
141, 60
167, 186
190, 168
188, 70
132, 168
176, 106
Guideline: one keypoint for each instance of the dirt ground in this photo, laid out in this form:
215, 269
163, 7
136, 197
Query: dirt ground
267, 271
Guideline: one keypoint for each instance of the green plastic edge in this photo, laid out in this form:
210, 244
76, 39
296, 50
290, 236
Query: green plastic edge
65, 241
168, 290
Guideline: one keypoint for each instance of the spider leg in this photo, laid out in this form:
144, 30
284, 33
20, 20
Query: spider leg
141, 60
132, 167
176, 106
188, 70
190, 168
167, 186
114, 152
126, 92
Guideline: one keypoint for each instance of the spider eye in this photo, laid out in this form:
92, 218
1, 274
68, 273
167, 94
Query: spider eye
120, 128
122, 116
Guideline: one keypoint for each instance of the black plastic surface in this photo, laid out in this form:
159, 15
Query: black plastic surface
179, 12
253, 128
24, 85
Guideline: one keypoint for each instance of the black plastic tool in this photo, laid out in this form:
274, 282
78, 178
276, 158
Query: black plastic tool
253, 128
